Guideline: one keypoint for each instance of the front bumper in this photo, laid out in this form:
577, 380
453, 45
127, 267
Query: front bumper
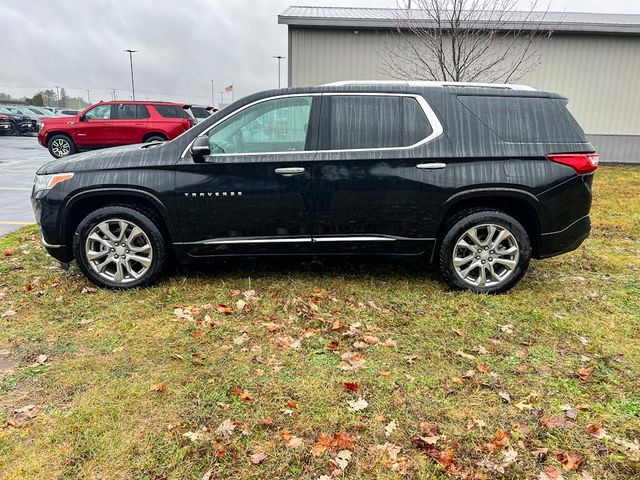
566, 240
48, 234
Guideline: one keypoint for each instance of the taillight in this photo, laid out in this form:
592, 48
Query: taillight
580, 162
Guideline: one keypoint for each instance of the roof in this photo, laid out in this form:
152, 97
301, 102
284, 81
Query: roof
387, 18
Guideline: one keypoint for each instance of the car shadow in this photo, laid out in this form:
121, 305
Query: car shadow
372, 267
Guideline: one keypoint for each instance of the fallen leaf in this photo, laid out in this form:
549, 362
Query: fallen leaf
505, 397
556, 421
468, 356
358, 405
457, 331
569, 461
390, 428
550, 473
194, 436
8, 313
41, 359
343, 458
222, 308
570, 412
501, 440
257, 457
226, 428
291, 441
89, 290
351, 386
371, 340
208, 475
158, 387
596, 431
585, 373
196, 334
483, 368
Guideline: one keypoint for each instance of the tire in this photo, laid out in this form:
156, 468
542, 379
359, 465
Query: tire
12, 130
60, 146
154, 138
102, 256
480, 265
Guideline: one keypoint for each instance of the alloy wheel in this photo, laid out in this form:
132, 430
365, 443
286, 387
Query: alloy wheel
119, 251
60, 147
485, 255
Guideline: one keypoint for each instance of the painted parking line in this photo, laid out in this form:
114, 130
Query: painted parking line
16, 223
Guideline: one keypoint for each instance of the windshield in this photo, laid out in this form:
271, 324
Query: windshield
199, 112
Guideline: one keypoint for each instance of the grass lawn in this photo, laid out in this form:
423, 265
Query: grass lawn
296, 370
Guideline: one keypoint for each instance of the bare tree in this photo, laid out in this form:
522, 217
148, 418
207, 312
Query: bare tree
465, 41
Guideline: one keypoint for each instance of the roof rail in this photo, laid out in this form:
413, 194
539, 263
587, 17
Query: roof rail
429, 83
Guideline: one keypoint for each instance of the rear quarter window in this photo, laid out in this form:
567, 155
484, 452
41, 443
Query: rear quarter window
523, 119
171, 111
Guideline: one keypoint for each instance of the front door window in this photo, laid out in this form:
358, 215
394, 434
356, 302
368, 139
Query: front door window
278, 125
101, 112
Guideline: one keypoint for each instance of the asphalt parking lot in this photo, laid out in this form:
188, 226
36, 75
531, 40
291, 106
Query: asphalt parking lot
20, 158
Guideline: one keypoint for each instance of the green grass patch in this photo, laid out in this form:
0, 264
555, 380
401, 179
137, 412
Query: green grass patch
130, 390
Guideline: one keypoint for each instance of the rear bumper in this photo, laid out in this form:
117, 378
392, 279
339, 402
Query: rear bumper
566, 240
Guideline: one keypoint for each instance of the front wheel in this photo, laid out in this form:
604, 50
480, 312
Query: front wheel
485, 251
60, 146
119, 247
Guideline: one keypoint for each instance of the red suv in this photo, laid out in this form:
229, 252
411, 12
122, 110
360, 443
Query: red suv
108, 124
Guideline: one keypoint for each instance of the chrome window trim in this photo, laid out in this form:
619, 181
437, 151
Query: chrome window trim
432, 118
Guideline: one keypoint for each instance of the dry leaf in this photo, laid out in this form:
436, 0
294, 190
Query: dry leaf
343, 458
390, 428
358, 405
569, 461
585, 373
257, 457
505, 397
158, 387
226, 428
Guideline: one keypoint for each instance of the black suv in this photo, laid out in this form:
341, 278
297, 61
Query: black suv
476, 178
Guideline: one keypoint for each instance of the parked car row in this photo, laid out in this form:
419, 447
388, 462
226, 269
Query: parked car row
109, 124
13, 122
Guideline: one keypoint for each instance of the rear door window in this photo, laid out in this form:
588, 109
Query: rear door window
374, 121
126, 111
171, 111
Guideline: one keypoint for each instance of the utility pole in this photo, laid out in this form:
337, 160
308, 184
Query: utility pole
58, 96
409, 4
279, 57
113, 94
221, 97
89, 96
133, 89
213, 101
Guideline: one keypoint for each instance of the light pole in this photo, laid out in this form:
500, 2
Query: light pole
133, 88
57, 96
279, 57
213, 101
89, 96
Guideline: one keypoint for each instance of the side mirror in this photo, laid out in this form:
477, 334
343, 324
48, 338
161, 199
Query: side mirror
200, 148
83, 118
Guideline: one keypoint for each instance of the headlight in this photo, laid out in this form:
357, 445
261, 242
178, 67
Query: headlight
47, 182
40, 125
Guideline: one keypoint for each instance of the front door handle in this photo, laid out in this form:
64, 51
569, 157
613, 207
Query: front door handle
431, 166
289, 171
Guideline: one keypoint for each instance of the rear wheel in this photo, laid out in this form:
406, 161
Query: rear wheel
119, 247
155, 138
485, 252
60, 146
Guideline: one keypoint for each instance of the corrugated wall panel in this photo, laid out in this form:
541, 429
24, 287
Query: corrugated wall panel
599, 74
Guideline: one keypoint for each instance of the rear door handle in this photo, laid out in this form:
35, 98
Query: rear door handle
289, 171
431, 166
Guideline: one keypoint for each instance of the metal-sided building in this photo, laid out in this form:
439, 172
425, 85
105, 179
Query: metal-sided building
593, 59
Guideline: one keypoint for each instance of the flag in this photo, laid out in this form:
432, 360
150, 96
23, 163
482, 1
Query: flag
229, 89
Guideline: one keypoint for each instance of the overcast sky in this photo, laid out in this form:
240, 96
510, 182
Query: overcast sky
183, 44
